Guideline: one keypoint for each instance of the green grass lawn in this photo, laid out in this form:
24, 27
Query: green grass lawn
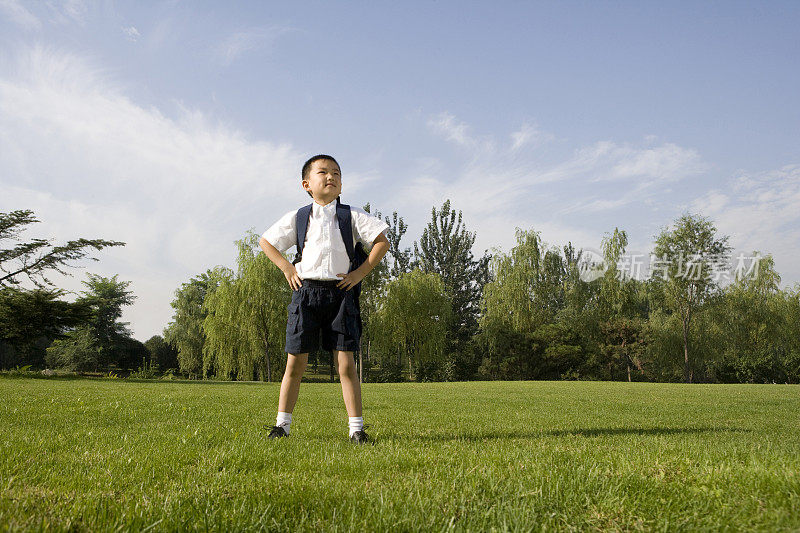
91, 454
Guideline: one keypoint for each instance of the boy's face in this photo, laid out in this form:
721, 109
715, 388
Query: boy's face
324, 181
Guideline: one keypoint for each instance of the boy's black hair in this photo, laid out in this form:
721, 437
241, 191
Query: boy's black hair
307, 167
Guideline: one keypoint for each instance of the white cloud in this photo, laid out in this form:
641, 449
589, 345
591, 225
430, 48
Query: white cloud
236, 44
67, 12
131, 33
760, 212
529, 134
92, 163
500, 187
19, 14
447, 126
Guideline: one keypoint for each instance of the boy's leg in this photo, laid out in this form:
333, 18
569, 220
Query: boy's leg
290, 385
351, 386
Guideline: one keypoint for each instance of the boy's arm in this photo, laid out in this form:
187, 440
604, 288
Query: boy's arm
379, 248
286, 267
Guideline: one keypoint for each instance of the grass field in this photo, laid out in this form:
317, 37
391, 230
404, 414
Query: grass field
92, 454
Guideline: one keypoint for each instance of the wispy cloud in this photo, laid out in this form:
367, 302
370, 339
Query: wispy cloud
529, 135
450, 129
131, 33
760, 211
238, 43
67, 12
90, 162
19, 14
522, 183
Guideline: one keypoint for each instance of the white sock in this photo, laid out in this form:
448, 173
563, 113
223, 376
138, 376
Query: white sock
356, 424
285, 420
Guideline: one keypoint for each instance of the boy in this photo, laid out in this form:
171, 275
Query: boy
322, 281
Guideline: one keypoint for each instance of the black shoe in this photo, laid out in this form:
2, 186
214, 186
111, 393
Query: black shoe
277, 432
361, 437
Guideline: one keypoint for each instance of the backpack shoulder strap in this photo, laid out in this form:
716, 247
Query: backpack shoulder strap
344, 217
301, 227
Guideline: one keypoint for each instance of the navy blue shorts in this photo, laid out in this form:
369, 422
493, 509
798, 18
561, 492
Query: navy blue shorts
320, 309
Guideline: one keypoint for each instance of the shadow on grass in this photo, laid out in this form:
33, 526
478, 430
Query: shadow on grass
73, 377
577, 432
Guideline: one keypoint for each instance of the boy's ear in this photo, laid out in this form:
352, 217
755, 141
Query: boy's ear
305, 185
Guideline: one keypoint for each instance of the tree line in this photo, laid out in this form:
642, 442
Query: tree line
435, 312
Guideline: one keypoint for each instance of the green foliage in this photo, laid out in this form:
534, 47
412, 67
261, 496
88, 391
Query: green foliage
161, 353
185, 331
31, 319
147, 370
79, 351
531, 286
527, 287
246, 317
690, 250
412, 323
38, 256
103, 340
373, 289
755, 339
401, 257
445, 248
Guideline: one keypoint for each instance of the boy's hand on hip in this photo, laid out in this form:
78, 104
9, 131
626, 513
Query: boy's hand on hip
350, 280
290, 272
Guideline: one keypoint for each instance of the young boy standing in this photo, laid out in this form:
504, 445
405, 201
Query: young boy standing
323, 301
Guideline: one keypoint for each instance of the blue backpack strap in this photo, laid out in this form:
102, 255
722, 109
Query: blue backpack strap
301, 227
344, 217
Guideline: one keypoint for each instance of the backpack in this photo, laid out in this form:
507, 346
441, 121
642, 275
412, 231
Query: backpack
356, 252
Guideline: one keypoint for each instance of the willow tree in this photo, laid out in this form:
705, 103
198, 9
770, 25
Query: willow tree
750, 326
687, 258
185, 331
246, 322
414, 318
518, 327
528, 286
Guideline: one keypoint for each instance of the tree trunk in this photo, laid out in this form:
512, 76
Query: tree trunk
266, 356
627, 359
369, 351
331, 367
686, 374
360, 367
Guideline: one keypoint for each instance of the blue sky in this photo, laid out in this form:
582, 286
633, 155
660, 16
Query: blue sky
176, 126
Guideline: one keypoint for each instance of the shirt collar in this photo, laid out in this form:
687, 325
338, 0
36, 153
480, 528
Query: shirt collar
326, 209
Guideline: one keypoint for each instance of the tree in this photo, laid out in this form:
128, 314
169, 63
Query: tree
246, 316
445, 248
413, 319
161, 352
78, 351
520, 305
31, 320
751, 329
37, 256
401, 257
624, 343
688, 256
620, 311
526, 290
185, 330
373, 289
103, 340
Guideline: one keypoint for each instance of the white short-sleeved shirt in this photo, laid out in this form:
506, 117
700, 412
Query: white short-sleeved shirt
324, 254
